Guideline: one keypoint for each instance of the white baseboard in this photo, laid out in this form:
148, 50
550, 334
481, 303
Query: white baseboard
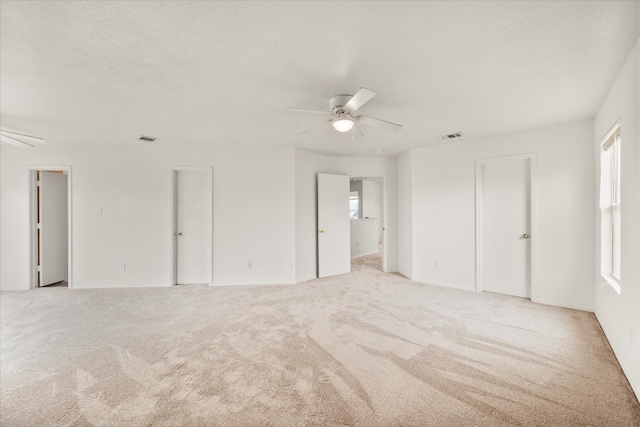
556, 304
253, 284
119, 286
448, 285
361, 255
306, 279
634, 385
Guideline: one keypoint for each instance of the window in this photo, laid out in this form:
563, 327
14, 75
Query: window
353, 204
610, 207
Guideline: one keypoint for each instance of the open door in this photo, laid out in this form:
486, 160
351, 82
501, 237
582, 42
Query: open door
334, 243
52, 228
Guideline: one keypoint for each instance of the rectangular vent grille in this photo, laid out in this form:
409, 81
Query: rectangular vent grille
452, 135
147, 138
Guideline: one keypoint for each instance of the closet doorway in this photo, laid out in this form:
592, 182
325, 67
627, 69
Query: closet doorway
50, 209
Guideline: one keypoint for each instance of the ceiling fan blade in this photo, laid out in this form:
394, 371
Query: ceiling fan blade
361, 97
372, 121
307, 111
14, 141
23, 138
315, 127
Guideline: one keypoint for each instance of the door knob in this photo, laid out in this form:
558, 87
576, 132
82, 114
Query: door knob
321, 231
525, 236
178, 233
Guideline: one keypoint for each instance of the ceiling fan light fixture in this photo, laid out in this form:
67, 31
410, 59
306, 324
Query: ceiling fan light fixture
342, 123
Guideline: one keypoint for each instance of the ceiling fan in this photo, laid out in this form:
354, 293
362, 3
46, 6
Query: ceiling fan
343, 118
20, 139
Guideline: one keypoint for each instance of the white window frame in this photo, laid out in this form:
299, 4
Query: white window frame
610, 207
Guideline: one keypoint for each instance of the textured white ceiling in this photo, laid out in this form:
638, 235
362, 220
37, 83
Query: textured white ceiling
221, 73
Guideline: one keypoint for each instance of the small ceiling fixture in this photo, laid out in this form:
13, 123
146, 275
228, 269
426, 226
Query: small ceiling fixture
343, 123
147, 138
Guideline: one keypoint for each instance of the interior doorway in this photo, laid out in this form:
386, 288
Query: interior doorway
192, 225
50, 211
367, 208
335, 210
504, 225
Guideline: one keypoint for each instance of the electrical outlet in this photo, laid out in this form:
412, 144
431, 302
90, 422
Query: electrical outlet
123, 266
99, 210
290, 263
631, 335
436, 264
250, 264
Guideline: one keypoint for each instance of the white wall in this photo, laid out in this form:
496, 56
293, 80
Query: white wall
253, 205
443, 210
619, 313
264, 211
364, 233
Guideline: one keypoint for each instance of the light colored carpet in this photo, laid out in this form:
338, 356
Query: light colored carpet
366, 349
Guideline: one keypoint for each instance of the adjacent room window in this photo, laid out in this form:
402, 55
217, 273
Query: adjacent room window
610, 205
354, 201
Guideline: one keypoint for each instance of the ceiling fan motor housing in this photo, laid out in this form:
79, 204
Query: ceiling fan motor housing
338, 102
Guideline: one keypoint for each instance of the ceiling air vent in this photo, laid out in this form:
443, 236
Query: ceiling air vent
452, 135
147, 138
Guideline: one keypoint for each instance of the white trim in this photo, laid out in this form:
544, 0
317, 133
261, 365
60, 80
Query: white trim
613, 281
556, 304
533, 291
367, 254
447, 285
258, 284
172, 204
610, 132
611, 160
385, 240
33, 245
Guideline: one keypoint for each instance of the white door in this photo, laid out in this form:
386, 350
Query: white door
334, 240
505, 217
53, 224
192, 226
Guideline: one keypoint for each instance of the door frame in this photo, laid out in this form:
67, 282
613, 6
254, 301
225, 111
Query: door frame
533, 291
385, 240
173, 206
33, 221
